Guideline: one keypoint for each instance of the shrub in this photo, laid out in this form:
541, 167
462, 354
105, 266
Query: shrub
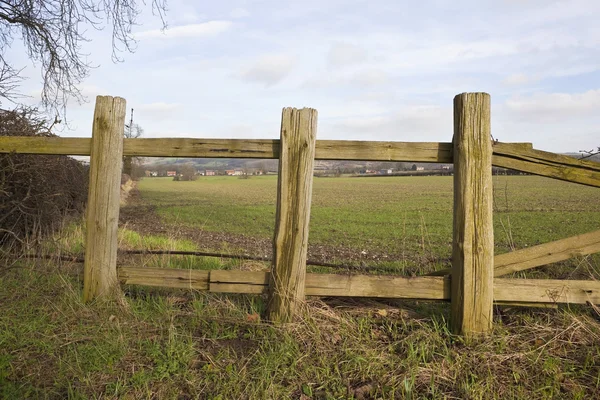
36, 192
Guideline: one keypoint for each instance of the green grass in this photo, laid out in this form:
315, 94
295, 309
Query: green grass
158, 343
179, 345
408, 217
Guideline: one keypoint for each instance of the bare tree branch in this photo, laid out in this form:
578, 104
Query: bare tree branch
52, 32
590, 153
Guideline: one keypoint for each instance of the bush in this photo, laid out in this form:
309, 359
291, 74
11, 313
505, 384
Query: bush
36, 192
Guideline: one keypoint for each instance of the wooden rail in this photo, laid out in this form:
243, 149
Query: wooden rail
474, 285
239, 148
511, 291
543, 254
516, 156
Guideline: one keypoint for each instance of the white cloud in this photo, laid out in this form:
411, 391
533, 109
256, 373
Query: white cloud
343, 54
159, 107
205, 29
414, 123
269, 70
145, 113
239, 13
518, 79
555, 105
369, 77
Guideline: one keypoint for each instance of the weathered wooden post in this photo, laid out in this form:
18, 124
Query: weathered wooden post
102, 219
294, 192
472, 290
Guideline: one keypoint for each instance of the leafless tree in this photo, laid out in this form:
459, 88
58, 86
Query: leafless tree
53, 31
589, 153
132, 131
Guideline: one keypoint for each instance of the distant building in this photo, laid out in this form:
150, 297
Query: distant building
210, 172
420, 168
238, 172
171, 173
230, 172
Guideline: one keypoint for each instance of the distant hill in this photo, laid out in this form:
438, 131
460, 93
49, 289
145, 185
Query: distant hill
595, 157
271, 165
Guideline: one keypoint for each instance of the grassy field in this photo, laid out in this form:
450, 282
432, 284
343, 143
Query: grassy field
174, 344
169, 344
408, 219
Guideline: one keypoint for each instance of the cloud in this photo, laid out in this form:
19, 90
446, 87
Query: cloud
159, 107
238, 13
555, 105
154, 111
343, 54
414, 123
518, 79
269, 70
205, 29
369, 77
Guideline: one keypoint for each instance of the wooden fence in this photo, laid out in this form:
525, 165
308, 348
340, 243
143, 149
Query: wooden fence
472, 285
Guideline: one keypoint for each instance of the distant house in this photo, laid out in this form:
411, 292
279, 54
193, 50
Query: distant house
420, 168
210, 172
238, 172
230, 172
446, 167
385, 172
171, 173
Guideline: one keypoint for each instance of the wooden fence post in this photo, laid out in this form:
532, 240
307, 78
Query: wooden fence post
102, 219
294, 192
472, 290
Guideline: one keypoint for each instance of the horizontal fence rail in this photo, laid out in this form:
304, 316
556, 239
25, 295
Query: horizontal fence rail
242, 148
512, 291
517, 156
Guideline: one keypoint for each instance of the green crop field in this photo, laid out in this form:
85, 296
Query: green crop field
159, 343
399, 222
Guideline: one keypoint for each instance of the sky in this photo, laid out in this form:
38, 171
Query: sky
374, 70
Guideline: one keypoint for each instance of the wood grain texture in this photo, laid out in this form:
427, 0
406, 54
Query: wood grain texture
547, 253
251, 282
244, 148
473, 235
294, 197
164, 277
543, 163
46, 145
102, 218
546, 291
430, 288
543, 254
521, 292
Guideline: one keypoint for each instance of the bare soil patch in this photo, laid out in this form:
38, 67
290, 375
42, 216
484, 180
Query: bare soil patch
142, 218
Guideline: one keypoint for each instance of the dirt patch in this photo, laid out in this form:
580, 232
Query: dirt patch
142, 218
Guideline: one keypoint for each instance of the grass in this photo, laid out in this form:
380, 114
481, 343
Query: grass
409, 218
176, 345
158, 343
